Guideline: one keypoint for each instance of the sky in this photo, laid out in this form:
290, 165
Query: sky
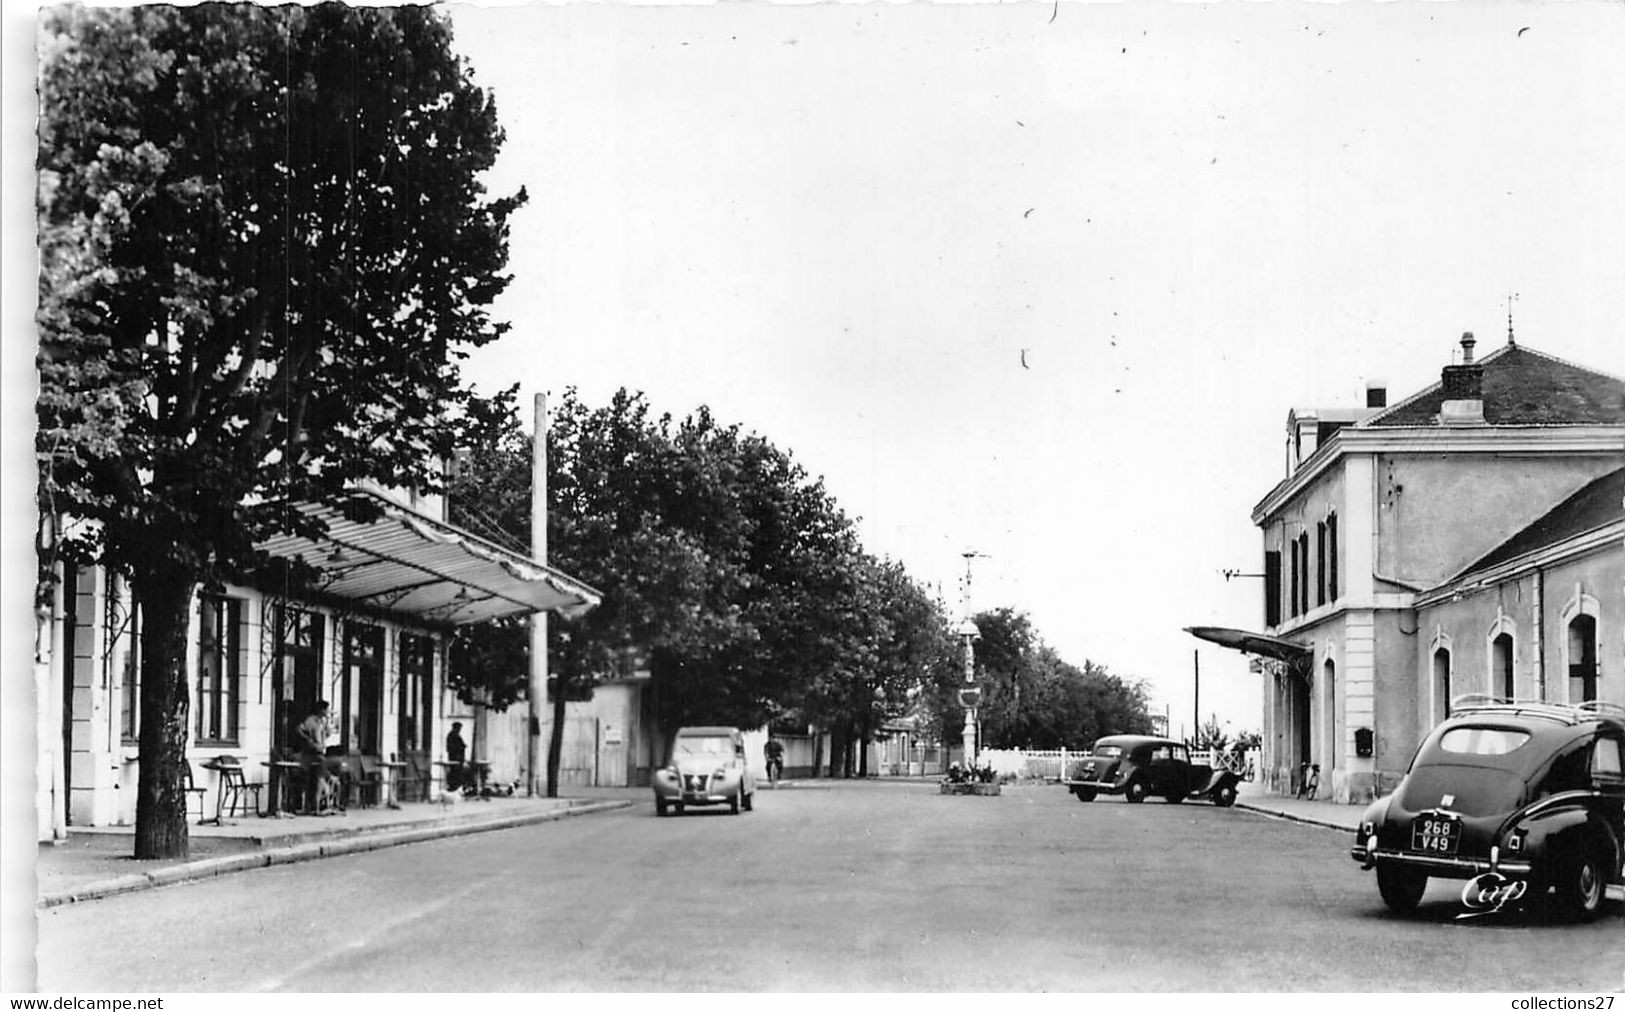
1041, 282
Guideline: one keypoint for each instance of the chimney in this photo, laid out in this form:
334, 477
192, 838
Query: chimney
1376, 393
1463, 389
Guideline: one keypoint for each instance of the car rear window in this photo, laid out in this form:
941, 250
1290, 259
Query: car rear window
1482, 740
1108, 751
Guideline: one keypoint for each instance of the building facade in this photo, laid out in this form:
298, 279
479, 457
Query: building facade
1465, 539
370, 639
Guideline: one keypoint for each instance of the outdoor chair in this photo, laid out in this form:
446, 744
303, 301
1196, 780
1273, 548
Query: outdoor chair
366, 782
240, 796
192, 790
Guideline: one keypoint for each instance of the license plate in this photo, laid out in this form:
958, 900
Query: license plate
1436, 834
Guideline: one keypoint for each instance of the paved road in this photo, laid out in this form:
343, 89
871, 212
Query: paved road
847, 886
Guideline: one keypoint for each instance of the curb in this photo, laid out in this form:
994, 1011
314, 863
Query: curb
355, 842
1276, 813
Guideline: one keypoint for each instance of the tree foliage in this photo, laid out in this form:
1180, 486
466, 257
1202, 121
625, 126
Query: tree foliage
1031, 697
264, 247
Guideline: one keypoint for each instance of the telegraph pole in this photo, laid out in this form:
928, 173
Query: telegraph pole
536, 691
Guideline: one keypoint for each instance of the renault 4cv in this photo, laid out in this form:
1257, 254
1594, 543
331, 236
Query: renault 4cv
1138, 766
1524, 800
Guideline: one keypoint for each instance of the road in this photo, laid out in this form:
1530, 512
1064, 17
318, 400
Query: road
851, 886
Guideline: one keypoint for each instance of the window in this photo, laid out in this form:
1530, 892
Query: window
1331, 557
1272, 588
415, 700
1303, 560
1501, 666
1605, 759
1292, 601
218, 670
1582, 659
1441, 684
1482, 740
130, 678
1320, 563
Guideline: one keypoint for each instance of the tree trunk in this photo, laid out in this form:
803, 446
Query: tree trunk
555, 740
818, 752
160, 800
863, 749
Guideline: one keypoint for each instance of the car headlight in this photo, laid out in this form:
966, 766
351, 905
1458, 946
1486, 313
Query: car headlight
1515, 841
1367, 828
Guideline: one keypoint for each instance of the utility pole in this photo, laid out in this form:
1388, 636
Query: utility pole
536, 691
1196, 704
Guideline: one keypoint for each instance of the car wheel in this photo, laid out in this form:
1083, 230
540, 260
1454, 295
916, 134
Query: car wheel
736, 801
1084, 793
1134, 793
750, 802
660, 806
1225, 796
1401, 888
1581, 885
677, 806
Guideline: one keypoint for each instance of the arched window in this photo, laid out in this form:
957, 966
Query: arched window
1502, 682
1328, 702
1441, 684
1582, 658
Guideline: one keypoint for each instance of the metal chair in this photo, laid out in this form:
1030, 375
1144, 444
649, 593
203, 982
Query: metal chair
240, 796
366, 781
189, 786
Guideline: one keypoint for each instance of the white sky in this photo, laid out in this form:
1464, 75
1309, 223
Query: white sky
843, 225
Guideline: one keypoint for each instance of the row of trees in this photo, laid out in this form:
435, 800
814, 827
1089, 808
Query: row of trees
743, 586
724, 568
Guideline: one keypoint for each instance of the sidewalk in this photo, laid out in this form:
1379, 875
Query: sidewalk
96, 862
1329, 814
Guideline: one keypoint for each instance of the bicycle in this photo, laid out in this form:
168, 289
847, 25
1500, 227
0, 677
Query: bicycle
1309, 781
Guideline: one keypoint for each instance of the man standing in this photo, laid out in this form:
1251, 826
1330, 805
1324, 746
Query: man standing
456, 755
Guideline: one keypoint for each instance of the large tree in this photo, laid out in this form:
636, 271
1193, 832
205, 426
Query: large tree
264, 246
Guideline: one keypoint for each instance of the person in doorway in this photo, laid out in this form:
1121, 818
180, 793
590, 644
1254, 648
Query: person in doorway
774, 751
456, 755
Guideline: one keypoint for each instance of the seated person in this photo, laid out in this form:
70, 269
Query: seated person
321, 769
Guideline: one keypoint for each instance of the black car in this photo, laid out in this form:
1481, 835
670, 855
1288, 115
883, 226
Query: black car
1524, 799
1137, 766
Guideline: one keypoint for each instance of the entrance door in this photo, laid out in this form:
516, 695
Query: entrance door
1300, 719
364, 679
296, 679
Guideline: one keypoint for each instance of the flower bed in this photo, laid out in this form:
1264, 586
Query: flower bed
985, 790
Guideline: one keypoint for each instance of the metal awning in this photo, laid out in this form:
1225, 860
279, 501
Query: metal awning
411, 564
1254, 643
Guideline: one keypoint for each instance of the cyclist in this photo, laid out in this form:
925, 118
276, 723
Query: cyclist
775, 760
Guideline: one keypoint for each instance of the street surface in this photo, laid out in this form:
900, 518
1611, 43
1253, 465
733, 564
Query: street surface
844, 886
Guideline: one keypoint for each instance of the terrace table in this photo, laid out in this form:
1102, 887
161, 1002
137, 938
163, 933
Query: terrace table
394, 769
281, 770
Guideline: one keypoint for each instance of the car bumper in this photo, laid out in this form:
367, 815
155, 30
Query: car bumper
716, 793
1442, 867
1102, 786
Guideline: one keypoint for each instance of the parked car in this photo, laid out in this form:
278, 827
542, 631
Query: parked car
1137, 766
707, 767
1526, 800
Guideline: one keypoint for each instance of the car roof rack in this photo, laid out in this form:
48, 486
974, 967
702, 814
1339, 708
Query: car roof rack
1568, 713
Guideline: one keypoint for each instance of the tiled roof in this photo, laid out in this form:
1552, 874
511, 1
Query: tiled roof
1594, 506
1524, 387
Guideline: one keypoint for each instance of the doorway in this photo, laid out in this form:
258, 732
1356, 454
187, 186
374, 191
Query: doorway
296, 678
1441, 684
363, 690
